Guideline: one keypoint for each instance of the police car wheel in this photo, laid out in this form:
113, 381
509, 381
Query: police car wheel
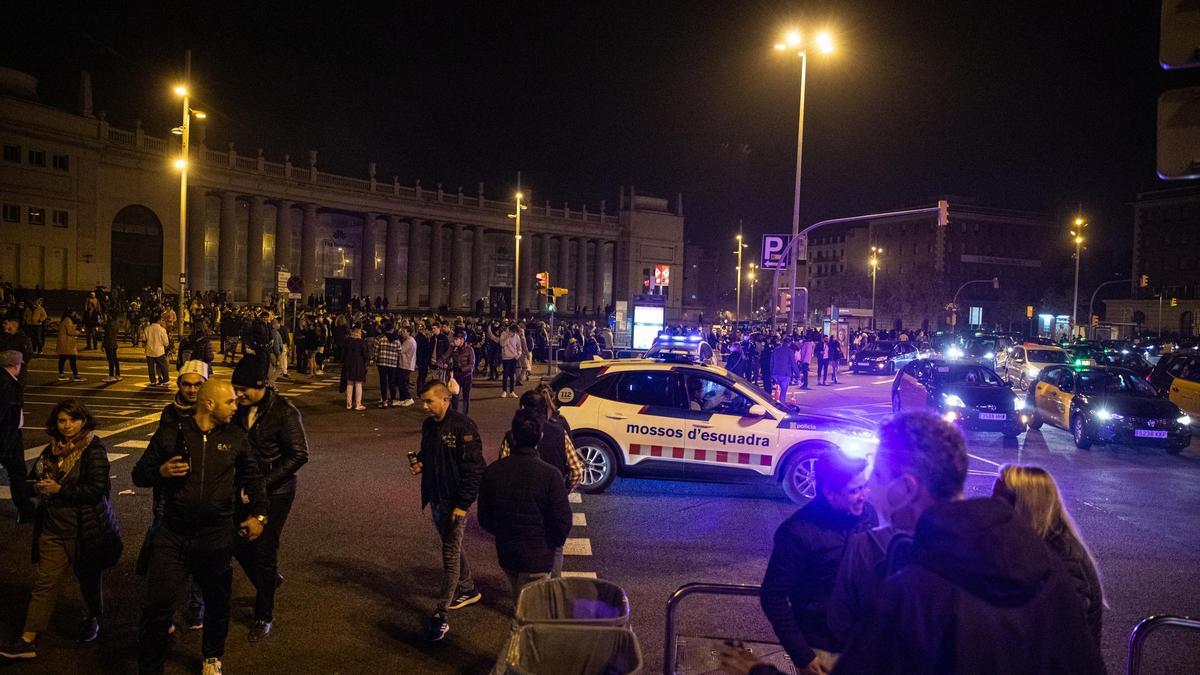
1035, 421
799, 475
599, 464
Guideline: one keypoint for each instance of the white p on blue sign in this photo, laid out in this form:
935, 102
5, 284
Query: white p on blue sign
773, 246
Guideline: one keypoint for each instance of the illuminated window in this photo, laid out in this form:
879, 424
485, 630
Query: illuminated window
36, 216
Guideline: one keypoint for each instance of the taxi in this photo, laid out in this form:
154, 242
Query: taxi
678, 419
1177, 377
1107, 405
969, 395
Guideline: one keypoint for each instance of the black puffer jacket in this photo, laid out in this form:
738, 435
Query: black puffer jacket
1083, 577
983, 594
523, 503
451, 459
99, 535
277, 439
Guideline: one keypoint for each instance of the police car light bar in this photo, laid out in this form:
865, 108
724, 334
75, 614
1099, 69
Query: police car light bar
678, 338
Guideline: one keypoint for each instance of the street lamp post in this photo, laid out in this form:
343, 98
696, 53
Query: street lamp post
739, 276
824, 42
184, 131
516, 300
1077, 233
753, 287
874, 262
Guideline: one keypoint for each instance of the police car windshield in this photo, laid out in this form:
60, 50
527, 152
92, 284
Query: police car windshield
787, 407
1113, 382
1046, 356
976, 376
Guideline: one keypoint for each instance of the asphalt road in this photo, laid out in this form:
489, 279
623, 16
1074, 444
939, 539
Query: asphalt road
361, 560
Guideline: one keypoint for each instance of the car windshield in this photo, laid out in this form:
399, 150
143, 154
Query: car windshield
1113, 382
979, 346
1046, 356
750, 386
881, 347
976, 376
941, 342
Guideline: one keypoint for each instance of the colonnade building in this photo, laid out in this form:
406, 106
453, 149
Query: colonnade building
86, 203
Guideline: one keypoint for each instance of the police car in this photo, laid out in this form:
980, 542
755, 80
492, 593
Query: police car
685, 347
678, 419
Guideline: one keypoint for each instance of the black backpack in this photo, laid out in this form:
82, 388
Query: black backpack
260, 336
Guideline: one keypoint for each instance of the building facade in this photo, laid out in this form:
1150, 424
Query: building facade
86, 204
1166, 242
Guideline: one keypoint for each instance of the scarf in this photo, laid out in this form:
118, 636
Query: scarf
69, 451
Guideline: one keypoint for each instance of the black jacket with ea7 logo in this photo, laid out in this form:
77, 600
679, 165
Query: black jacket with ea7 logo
222, 466
451, 459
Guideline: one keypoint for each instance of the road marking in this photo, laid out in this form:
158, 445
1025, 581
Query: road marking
577, 546
984, 460
114, 456
580, 575
853, 386
579, 519
976, 472
134, 443
575, 498
882, 382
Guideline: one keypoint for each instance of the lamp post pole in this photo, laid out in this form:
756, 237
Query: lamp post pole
1077, 233
875, 251
183, 175
739, 277
795, 264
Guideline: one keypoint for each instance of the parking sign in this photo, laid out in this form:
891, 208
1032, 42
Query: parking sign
773, 246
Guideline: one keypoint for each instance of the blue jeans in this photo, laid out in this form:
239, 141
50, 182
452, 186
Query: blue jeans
456, 572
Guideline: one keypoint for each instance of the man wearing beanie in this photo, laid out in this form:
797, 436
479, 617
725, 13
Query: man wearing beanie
275, 433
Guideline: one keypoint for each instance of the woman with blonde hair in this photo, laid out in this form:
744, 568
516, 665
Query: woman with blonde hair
1035, 497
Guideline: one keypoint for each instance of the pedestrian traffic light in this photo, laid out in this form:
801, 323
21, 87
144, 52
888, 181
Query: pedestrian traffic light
543, 283
943, 213
1028, 311
1174, 302
550, 307
1144, 281
995, 282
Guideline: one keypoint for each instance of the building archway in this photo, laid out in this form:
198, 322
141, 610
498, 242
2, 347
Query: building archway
1186, 324
137, 249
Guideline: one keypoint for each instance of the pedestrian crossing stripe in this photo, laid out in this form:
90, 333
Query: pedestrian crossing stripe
700, 455
579, 519
575, 498
577, 546
581, 575
134, 443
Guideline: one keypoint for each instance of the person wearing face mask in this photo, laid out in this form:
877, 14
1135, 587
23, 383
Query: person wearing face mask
980, 592
804, 562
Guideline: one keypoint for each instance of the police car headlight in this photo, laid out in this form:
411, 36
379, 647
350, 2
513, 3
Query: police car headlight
953, 400
862, 434
1185, 420
1032, 371
1018, 403
954, 353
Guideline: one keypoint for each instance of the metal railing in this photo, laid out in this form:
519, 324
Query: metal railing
1142, 631
670, 649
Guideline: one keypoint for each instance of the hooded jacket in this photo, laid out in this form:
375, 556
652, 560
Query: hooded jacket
523, 503
982, 594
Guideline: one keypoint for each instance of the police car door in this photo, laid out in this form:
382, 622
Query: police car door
721, 431
647, 417
911, 386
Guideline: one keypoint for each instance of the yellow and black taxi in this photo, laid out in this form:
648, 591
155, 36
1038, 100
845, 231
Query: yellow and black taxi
1107, 405
970, 395
678, 419
1176, 377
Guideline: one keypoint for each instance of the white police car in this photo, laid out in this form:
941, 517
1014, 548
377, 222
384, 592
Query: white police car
692, 347
664, 418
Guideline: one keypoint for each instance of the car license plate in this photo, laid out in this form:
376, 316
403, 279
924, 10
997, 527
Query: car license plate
995, 417
1149, 433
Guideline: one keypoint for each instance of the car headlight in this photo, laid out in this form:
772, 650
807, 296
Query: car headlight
1018, 403
1032, 371
989, 355
1185, 420
861, 434
954, 353
1105, 415
953, 400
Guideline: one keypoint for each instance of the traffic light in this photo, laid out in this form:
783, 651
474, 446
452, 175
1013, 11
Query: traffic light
1095, 320
1144, 281
1174, 302
550, 307
943, 213
543, 282
995, 282
1028, 311
785, 301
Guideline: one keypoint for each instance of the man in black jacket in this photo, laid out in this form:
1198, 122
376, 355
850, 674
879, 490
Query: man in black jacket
275, 433
981, 592
12, 338
451, 465
199, 469
523, 503
12, 449
808, 549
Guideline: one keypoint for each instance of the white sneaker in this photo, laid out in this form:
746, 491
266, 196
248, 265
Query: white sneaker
212, 667
406, 402
110, 379
62, 378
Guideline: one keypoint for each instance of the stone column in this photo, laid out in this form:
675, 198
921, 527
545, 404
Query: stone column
366, 274
582, 299
417, 250
564, 272
284, 236
547, 261
254, 252
526, 282
480, 271
598, 298
437, 265
227, 246
459, 269
308, 254
395, 285
197, 224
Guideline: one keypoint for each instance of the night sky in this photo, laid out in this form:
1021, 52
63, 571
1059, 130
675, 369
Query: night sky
1043, 106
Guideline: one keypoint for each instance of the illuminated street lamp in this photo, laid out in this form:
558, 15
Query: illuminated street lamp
753, 285
182, 165
1077, 236
516, 301
874, 263
739, 275
824, 43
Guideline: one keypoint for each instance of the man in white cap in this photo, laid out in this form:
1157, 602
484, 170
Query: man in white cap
192, 375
